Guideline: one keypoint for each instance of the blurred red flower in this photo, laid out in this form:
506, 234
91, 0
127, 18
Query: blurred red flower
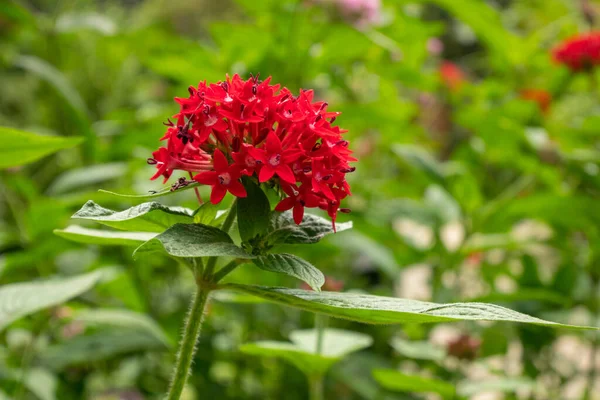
452, 75
249, 127
542, 97
579, 52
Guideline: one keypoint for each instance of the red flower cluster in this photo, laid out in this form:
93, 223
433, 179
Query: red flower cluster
579, 52
233, 128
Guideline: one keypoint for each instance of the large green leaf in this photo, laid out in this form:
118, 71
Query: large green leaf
302, 352
283, 229
253, 212
20, 148
103, 237
388, 310
21, 299
102, 345
291, 265
397, 381
193, 240
148, 217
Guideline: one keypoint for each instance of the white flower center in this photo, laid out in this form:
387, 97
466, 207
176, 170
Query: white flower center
224, 179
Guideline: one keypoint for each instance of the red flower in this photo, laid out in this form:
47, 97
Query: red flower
298, 199
579, 52
452, 75
250, 127
540, 96
224, 178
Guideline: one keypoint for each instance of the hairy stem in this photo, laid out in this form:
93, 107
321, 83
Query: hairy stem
187, 347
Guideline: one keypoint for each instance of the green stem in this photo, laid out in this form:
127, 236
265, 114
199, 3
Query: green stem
233, 264
187, 348
212, 261
230, 217
320, 324
316, 383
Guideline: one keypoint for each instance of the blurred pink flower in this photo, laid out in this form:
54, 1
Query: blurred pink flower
363, 12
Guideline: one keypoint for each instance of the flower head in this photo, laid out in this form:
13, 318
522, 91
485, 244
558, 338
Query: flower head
579, 52
249, 127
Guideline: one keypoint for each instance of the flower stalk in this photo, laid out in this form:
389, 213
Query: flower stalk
187, 349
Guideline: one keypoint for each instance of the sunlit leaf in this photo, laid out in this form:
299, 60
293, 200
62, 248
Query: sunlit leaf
20, 148
418, 350
503, 385
302, 352
103, 237
21, 299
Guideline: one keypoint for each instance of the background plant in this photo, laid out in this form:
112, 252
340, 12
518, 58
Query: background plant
502, 194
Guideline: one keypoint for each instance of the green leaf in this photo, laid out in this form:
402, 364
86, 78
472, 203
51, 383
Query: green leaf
102, 345
418, 350
21, 299
206, 213
253, 212
504, 385
123, 318
164, 192
421, 160
294, 266
302, 352
336, 343
103, 237
399, 382
57, 79
388, 310
20, 148
311, 230
79, 178
147, 217
193, 240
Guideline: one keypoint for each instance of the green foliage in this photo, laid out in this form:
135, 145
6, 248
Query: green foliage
461, 194
20, 148
291, 265
192, 240
397, 381
302, 351
21, 299
388, 310
252, 212
104, 237
311, 230
147, 217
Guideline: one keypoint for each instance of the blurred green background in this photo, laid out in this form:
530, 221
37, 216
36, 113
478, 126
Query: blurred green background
466, 190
